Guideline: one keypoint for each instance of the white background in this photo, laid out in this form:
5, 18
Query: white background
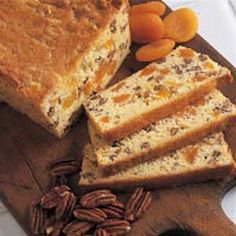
218, 26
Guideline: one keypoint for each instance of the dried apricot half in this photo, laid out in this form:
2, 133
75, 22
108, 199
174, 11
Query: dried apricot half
154, 7
146, 28
181, 25
155, 50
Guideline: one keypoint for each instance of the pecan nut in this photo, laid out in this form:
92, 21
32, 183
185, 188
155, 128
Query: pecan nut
174, 131
59, 181
115, 210
137, 204
64, 166
91, 215
115, 227
118, 204
71, 203
97, 198
66, 206
37, 219
54, 230
100, 232
77, 228
52, 199
144, 204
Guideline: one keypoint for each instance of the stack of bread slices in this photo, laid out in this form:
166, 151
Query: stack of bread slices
162, 126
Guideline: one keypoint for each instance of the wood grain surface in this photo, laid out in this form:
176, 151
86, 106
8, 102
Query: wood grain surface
26, 151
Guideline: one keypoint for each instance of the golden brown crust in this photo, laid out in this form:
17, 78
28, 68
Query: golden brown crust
178, 143
52, 50
134, 125
164, 181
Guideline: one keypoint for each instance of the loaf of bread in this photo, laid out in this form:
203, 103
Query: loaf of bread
154, 93
208, 115
53, 53
208, 159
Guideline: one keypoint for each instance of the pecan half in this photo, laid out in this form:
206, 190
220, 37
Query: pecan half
115, 227
37, 219
64, 166
177, 69
137, 204
97, 198
144, 204
145, 145
118, 204
203, 57
174, 131
52, 199
54, 230
66, 206
91, 215
59, 181
115, 210
49, 221
161, 60
100, 232
77, 228
187, 60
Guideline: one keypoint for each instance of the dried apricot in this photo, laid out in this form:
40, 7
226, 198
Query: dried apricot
102, 70
208, 65
163, 93
118, 86
68, 102
158, 8
148, 70
146, 28
105, 119
186, 52
121, 98
181, 25
156, 50
108, 44
199, 78
190, 154
88, 87
112, 68
165, 71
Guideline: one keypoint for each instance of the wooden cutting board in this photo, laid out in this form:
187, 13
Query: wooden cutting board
26, 151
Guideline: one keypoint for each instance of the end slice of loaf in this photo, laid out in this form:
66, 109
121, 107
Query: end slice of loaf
208, 115
210, 158
48, 70
154, 93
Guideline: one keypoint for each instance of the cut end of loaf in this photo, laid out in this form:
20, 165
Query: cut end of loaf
56, 108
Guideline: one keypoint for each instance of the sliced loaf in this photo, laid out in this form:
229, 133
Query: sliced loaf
53, 53
208, 159
210, 114
154, 93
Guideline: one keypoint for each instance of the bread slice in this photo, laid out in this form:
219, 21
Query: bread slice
208, 115
208, 159
154, 93
76, 48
